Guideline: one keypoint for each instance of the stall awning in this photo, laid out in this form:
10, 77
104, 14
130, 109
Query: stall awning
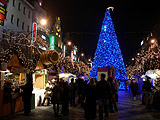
15, 66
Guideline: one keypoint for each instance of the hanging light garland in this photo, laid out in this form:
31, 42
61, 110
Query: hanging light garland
145, 60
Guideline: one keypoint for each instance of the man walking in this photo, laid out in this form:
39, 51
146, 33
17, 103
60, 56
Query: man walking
104, 94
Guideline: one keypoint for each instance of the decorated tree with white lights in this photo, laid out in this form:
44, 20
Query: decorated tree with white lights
146, 59
74, 67
108, 51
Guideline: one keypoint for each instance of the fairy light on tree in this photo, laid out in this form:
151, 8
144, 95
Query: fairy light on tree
108, 51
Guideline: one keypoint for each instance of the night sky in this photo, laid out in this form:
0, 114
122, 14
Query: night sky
133, 21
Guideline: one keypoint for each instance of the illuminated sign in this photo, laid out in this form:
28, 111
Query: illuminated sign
64, 51
43, 48
34, 31
142, 42
40, 3
43, 37
52, 40
72, 55
3, 6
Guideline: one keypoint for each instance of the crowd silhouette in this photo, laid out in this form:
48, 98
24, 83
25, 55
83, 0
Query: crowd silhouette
88, 96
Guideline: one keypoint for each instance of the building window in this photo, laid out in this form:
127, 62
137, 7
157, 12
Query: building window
28, 28
18, 22
24, 10
14, 3
29, 14
19, 6
23, 26
12, 17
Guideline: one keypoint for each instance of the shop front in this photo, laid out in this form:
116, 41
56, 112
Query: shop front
39, 82
41, 75
12, 78
155, 76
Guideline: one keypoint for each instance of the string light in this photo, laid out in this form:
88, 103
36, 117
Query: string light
147, 59
108, 51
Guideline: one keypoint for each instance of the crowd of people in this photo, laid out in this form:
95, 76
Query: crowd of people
86, 94
103, 93
148, 91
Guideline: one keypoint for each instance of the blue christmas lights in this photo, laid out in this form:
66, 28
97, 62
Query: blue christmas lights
108, 51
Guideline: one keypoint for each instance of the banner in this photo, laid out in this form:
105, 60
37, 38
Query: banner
3, 6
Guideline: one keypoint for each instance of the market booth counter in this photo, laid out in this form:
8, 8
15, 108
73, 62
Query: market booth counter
40, 76
155, 76
39, 80
10, 92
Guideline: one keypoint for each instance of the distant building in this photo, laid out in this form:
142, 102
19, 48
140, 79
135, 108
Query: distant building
70, 50
18, 17
40, 14
21, 14
57, 32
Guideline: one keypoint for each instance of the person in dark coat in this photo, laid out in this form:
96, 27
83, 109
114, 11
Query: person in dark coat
80, 91
148, 90
65, 99
56, 98
134, 89
72, 92
104, 94
27, 94
112, 101
90, 100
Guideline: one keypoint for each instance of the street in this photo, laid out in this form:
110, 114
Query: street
128, 110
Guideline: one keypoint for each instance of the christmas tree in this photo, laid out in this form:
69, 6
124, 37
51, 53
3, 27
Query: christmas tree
108, 51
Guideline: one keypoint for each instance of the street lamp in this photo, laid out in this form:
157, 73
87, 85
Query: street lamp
69, 43
152, 41
43, 22
82, 54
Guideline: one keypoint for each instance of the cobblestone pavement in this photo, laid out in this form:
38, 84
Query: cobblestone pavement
128, 110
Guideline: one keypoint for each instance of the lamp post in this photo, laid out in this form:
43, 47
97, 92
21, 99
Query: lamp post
69, 43
43, 22
82, 54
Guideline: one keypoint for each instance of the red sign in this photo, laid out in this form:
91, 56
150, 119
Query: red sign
34, 32
3, 5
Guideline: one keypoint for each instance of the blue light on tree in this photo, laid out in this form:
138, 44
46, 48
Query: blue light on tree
108, 51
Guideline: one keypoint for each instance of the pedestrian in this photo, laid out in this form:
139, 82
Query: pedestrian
148, 92
27, 94
90, 100
112, 101
80, 91
144, 94
72, 92
47, 94
116, 82
55, 99
126, 84
65, 99
134, 88
103, 90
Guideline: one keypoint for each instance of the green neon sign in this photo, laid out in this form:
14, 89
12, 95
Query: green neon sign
52, 40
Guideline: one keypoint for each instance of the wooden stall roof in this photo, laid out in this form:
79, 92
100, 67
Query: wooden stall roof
39, 66
14, 62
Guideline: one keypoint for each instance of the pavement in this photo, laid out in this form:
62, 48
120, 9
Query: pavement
128, 110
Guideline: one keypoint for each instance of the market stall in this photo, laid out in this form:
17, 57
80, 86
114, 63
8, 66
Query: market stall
11, 79
67, 76
41, 75
155, 76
